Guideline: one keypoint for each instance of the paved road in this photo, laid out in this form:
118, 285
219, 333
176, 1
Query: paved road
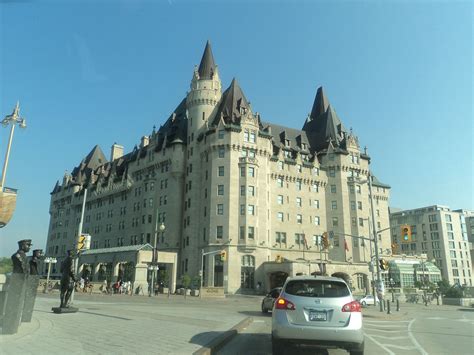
122, 324
415, 330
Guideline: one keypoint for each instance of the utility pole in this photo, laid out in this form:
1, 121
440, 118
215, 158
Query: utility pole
81, 222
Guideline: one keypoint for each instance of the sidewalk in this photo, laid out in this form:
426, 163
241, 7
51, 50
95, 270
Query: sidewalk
122, 324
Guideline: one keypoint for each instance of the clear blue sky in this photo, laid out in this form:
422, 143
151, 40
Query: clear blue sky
99, 72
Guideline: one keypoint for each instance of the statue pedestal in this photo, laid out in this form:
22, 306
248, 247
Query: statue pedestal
14, 305
64, 309
30, 297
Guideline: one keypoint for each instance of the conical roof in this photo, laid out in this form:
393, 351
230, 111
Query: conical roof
320, 104
207, 67
233, 104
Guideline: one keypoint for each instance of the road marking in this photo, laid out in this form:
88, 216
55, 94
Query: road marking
259, 321
379, 344
401, 347
385, 330
388, 325
435, 318
385, 321
418, 346
390, 337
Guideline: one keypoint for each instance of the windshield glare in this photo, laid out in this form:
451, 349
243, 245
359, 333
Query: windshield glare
317, 288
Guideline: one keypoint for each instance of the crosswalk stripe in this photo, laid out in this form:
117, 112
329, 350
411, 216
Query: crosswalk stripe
390, 337
387, 325
401, 347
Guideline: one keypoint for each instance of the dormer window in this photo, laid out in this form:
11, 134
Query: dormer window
287, 142
303, 146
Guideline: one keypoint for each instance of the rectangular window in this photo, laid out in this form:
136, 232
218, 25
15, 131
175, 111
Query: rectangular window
280, 182
299, 219
351, 189
251, 232
432, 218
280, 199
333, 189
298, 185
335, 222
253, 138
354, 221
251, 210
317, 220
242, 232
219, 232
251, 171
353, 205
298, 201
221, 152
281, 165
332, 172
251, 190
242, 190
221, 134
242, 210
220, 209
220, 190
280, 216
359, 205
358, 189
334, 205
221, 171
246, 135
361, 222
316, 203
315, 187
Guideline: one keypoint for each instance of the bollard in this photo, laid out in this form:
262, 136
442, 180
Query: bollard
398, 306
388, 307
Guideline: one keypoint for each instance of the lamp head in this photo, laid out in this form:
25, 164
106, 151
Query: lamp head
162, 227
23, 123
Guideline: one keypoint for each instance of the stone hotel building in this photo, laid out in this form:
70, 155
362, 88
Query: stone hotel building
219, 177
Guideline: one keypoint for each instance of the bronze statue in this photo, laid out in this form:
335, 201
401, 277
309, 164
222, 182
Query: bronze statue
32, 283
16, 288
19, 259
68, 279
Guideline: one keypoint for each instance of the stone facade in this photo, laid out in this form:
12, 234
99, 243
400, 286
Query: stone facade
221, 179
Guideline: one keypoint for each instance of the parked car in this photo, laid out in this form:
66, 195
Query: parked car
369, 299
269, 300
317, 311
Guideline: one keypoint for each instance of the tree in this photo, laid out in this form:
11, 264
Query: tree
444, 286
6, 265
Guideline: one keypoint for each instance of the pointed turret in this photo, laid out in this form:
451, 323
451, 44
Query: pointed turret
92, 161
320, 104
323, 124
233, 104
207, 67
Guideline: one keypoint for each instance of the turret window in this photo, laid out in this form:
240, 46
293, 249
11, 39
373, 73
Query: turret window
221, 134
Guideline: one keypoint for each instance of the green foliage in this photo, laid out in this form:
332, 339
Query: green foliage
6, 265
196, 283
443, 286
454, 292
163, 275
186, 280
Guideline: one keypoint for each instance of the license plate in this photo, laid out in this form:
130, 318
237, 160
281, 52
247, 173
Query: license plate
317, 316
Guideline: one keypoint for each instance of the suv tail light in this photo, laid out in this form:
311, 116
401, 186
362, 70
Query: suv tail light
353, 306
282, 303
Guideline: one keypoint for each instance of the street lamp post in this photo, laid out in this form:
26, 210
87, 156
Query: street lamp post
49, 261
154, 258
12, 119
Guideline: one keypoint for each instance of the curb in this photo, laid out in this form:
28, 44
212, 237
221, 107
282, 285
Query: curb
217, 343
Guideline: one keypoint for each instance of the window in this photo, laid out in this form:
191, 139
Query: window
332, 172
242, 210
317, 220
299, 219
434, 235
435, 245
361, 222
280, 216
452, 254
281, 165
219, 232
452, 245
298, 168
280, 182
351, 189
298, 201
280, 199
315, 187
298, 185
220, 190
316, 203
221, 171
251, 210
251, 190
335, 222
221, 134
242, 190
432, 218
358, 189
359, 205
354, 222
334, 205
447, 217
353, 205
434, 227
253, 138
220, 209
242, 232
333, 189
246, 135
449, 226
251, 171
280, 237
251, 232
221, 152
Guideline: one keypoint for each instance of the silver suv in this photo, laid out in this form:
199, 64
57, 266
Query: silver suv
317, 311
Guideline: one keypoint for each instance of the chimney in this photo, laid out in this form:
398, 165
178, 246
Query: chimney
144, 142
116, 152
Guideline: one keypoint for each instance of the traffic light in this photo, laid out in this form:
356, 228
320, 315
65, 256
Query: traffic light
394, 248
223, 255
83, 242
325, 240
278, 259
383, 264
406, 233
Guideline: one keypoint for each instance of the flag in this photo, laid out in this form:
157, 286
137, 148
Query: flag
345, 245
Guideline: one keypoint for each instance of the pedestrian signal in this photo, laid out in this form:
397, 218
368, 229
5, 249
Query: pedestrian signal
223, 255
406, 233
325, 240
383, 264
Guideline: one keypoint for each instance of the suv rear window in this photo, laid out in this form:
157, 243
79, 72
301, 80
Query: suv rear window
317, 288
